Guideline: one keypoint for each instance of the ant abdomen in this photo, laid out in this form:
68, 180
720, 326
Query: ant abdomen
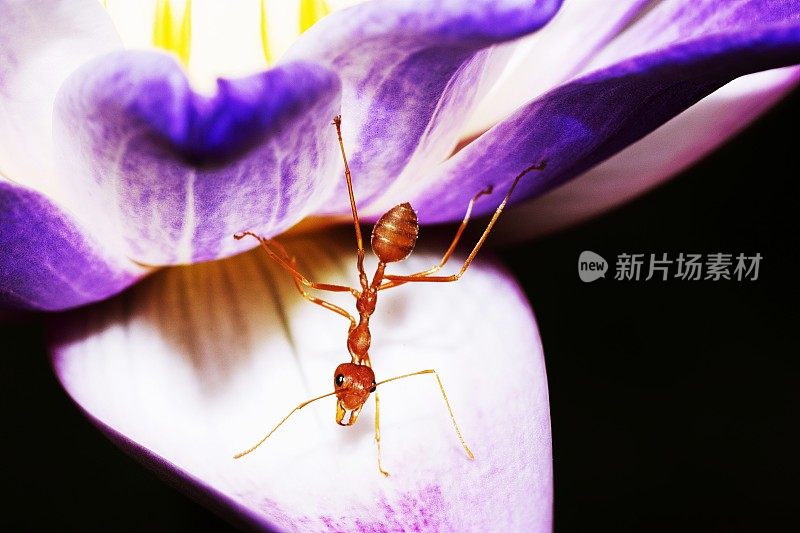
395, 233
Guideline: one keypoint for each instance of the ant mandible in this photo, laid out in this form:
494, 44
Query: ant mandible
393, 239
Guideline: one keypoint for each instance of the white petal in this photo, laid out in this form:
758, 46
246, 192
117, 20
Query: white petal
41, 43
197, 363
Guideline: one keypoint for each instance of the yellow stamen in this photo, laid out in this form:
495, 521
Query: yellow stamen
173, 34
311, 11
264, 40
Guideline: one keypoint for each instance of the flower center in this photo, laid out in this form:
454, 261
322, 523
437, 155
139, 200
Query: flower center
218, 39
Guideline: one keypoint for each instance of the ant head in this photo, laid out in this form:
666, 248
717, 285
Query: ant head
353, 384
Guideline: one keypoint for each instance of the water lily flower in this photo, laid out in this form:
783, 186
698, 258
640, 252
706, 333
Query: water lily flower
116, 165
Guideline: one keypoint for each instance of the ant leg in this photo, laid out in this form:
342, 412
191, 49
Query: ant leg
378, 433
362, 275
283, 261
305, 294
446, 402
457, 276
327, 305
487, 190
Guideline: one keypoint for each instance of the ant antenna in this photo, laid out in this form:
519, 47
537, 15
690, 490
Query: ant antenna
396, 378
293, 411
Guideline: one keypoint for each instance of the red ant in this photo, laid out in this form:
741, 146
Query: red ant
393, 239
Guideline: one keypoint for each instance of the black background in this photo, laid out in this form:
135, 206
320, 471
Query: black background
674, 404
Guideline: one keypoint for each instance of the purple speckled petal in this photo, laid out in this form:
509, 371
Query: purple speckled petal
48, 261
411, 72
177, 173
197, 363
646, 164
41, 43
585, 121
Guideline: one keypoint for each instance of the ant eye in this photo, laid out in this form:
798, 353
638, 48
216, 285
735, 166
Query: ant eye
374, 386
340, 380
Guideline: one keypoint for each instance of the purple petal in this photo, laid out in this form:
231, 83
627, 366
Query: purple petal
48, 261
411, 72
196, 363
177, 173
41, 43
550, 57
646, 164
580, 124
